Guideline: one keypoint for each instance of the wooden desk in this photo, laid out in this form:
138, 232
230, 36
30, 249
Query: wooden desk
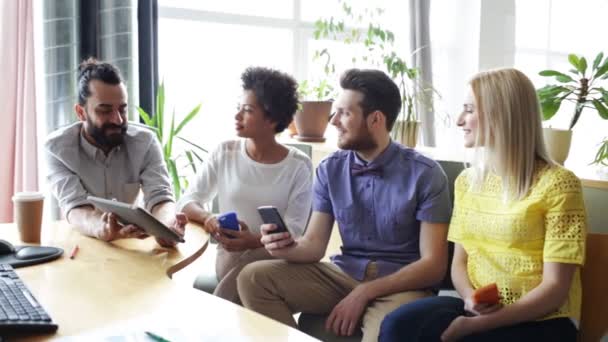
110, 287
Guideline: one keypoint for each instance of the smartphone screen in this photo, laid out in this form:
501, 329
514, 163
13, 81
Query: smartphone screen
270, 214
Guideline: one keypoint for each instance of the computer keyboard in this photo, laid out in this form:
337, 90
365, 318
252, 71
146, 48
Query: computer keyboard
19, 310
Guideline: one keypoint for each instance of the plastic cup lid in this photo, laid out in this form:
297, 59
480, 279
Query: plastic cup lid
28, 196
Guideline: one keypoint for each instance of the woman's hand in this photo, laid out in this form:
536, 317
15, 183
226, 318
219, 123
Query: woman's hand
237, 241
211, 225
480, 308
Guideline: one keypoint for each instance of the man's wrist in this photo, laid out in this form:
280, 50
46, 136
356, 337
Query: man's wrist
367, 289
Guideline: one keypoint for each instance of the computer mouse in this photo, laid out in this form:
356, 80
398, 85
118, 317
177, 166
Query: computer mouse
6, 247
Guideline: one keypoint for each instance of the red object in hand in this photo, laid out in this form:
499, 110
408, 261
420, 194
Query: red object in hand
487, 294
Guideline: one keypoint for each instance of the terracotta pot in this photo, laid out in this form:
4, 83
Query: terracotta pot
558, 143
312, 120
291, 129
406, 132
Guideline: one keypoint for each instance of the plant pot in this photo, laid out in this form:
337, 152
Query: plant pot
291, 129
406, 132
558, 143
312, 120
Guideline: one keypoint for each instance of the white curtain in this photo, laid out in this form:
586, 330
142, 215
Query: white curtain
420, 45
455, 33
18, 156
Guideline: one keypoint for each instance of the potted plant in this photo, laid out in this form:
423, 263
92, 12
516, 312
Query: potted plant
379, 50
581, 87
189, 156
312, 116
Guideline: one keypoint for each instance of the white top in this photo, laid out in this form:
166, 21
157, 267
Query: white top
242, 185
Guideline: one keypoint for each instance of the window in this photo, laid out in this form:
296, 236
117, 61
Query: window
546, 32
204, 47
455, 28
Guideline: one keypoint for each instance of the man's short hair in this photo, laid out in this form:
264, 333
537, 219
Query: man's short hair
379, 92
275, 91
92, 69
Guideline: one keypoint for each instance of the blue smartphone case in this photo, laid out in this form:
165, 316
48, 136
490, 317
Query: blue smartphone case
228, 220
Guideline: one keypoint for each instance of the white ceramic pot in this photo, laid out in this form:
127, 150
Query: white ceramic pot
558, 143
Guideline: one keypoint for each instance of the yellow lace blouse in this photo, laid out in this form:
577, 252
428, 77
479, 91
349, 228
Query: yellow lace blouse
508, 242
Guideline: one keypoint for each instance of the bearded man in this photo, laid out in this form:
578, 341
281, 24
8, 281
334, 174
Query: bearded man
105, 156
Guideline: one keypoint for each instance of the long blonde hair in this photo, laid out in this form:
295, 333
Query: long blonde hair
510, 136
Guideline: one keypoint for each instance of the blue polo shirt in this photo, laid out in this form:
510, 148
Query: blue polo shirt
379, 213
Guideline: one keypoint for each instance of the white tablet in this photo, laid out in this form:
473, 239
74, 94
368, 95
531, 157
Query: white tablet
132, 214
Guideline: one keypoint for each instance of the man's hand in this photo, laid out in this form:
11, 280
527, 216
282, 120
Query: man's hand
178, 225
345, 317
112, 230
241, 240
275, 242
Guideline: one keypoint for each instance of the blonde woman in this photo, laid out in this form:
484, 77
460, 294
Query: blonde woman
519, 221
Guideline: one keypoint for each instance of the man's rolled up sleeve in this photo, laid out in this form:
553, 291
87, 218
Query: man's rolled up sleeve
156, 184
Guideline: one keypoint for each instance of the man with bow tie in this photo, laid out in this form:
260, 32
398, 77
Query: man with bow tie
392, 207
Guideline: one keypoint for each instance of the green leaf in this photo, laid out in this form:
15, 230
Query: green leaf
160, 109
604, 95
564, 78
187, 119
597, 60
582, 63
144, 116
551, 91
601, 109
172, 169
602, 70
550, 108
191, 143
548, 73
601, 157
191, 160
169, 144
200, 159
573, 59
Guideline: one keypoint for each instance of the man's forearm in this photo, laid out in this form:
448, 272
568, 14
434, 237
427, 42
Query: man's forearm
86, 219
304, 251
420, 274
164, 211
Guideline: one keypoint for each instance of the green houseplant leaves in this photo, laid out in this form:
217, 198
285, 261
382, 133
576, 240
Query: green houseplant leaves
581, 85
377, 48
167, 136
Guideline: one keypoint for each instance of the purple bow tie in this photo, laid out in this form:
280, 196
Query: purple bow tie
358, 169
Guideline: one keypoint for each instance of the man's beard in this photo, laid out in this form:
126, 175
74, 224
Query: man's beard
104, 139
363, 141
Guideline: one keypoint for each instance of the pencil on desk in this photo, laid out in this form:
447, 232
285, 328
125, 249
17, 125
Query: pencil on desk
74, 251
